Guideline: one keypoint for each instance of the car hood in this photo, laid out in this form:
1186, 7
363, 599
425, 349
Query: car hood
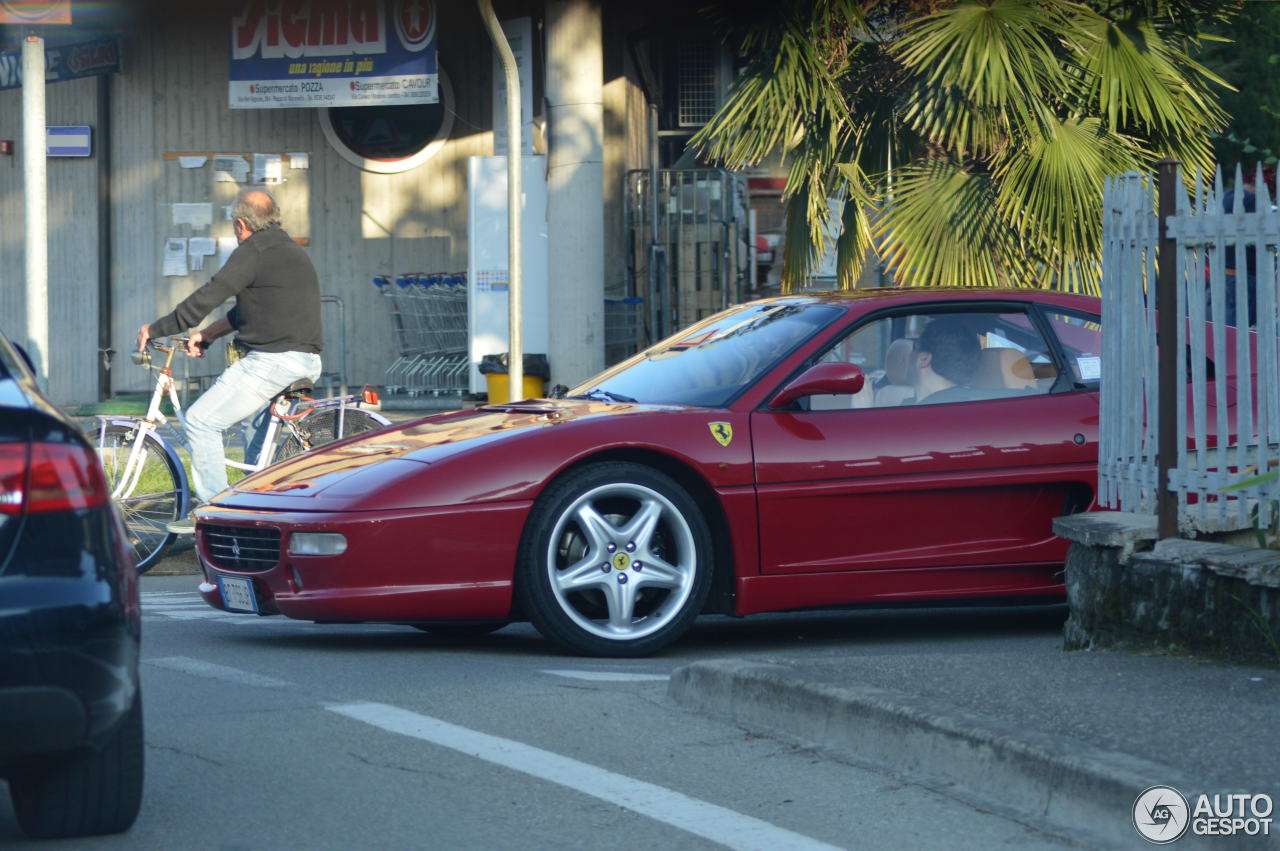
386, 469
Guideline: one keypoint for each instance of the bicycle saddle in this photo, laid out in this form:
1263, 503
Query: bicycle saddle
299, 389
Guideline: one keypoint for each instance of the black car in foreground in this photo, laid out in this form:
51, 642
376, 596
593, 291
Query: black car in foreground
70, 706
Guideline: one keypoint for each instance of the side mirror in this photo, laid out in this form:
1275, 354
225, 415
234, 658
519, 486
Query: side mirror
822, 378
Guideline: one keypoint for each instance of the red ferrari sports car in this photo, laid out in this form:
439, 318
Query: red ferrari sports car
878, 446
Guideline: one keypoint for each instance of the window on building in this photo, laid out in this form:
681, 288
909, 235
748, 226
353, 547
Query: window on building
390, 139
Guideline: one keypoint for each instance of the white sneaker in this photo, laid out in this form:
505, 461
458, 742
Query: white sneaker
183, 525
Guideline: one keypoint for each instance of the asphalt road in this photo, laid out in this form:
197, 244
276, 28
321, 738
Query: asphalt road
270, 733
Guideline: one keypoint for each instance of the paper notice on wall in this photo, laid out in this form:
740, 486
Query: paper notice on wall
196, 215
267, 168
201, 246
175, 257
198, 248
226, 245
230, 169
300, 160
192, 161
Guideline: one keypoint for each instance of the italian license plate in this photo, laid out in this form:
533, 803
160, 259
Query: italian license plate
237, 594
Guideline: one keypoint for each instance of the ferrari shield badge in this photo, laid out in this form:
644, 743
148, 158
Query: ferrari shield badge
722, 432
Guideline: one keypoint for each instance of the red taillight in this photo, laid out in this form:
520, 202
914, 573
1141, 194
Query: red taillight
52, 477
13, 477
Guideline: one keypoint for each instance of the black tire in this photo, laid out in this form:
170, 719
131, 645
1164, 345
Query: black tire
157, 498
85, 793
460, 629
635, 514
324, 426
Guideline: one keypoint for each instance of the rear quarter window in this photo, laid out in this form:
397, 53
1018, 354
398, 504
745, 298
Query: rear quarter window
1080, 335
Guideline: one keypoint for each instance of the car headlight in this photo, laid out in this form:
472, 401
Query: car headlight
317, 544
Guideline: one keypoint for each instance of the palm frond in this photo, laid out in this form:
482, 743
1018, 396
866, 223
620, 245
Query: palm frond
1008, 114
1135, 81
795, 81
985, 69
944, 228
1050, 188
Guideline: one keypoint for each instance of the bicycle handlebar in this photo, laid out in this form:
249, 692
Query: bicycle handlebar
143, 358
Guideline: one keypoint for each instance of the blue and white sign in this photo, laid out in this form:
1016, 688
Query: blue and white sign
73, 141
321, 53
65, 61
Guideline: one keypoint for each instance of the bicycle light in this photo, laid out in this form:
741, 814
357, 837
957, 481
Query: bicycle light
317, 544
141, 358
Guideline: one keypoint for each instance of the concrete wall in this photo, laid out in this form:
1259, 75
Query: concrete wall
1127, 590
73, 249
626, 132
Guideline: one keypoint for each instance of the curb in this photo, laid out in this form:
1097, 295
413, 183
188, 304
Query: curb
1073, 787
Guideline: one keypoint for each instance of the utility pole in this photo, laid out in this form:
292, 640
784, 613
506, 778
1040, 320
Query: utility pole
515, 228
36, 202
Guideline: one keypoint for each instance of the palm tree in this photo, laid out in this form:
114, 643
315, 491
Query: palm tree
967, 140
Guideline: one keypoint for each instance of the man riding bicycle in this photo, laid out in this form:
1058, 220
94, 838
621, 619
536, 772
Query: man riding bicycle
276, 317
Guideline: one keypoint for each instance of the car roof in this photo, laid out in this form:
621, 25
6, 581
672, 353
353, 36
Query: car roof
888, 296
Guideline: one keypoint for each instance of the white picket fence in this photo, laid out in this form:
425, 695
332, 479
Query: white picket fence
1246, 417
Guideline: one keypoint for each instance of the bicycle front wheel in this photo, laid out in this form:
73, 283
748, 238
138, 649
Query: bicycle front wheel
150, 493
327, 425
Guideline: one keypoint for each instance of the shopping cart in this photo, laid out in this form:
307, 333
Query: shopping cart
429, 318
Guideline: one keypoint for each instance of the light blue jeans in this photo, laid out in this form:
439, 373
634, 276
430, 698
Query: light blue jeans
243, 389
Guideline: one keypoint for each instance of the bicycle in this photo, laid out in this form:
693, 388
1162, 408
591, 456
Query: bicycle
147, 478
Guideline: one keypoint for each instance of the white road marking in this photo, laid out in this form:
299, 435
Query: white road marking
191, 600
700, 818
187, 605
610, 676
198, 668
185, 614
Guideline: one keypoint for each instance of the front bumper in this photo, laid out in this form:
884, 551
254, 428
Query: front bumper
399, 566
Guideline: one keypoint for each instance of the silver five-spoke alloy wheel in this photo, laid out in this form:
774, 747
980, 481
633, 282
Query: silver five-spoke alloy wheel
618, 556
621, 566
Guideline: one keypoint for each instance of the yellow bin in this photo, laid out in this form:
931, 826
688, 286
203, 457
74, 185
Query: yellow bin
499, 387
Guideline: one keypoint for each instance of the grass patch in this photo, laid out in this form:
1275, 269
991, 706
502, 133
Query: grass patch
128, 405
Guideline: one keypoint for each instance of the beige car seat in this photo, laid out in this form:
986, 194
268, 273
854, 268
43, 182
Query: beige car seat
1004, 368
897, 369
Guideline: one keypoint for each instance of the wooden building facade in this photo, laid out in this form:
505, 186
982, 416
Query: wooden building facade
111, 213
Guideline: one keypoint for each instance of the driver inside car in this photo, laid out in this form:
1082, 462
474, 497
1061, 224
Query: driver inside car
946, 358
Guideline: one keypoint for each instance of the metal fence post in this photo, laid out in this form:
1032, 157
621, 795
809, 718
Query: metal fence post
1167, 336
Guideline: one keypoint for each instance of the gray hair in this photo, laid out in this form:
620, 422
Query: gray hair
257, 208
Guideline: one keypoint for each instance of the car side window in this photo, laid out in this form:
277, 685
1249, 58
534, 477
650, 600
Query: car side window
943, 356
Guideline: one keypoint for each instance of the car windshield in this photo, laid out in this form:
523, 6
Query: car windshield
710, 363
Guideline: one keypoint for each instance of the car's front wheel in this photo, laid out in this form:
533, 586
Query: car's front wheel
615, 561
85, 793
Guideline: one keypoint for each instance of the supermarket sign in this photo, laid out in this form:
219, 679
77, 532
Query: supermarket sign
321, 53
